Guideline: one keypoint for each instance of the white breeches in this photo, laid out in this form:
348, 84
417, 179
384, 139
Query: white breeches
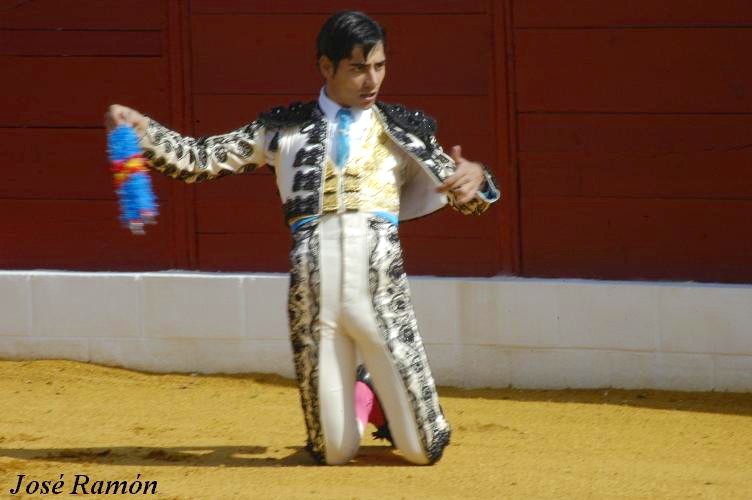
347, 271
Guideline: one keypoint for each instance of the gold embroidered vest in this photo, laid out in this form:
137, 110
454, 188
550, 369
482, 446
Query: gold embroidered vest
371, 178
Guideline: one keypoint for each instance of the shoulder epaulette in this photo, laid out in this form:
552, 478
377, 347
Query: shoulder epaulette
414, 121
296, 113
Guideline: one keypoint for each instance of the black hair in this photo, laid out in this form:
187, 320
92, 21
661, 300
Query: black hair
343, 31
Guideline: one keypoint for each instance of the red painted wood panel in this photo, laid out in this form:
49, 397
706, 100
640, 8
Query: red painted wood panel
637, 239
590, 184
636, 70
599, 13
240, 188
82, 14
258, 54
80, 43
709, 175
506, 237
619, 133
244, 252
269, 253
59, 164
438, 256
217, 114
76, 91
58, 186
73, 234
246, 203
691, 156
177, 40
232, 215
330, 6
448, 223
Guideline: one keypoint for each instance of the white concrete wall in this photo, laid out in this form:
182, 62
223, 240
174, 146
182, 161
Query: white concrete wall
527, 333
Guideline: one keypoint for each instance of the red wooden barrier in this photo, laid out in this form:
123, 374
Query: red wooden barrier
620, 130
636, 70
634, 142
630, 13
83, 14
61, 64
327, 7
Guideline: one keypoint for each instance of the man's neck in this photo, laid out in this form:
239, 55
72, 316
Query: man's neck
328, 93
330, 106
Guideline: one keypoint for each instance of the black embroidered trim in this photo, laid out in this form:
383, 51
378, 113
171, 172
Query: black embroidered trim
311, 121
309, 181
300, 206
220, 153
201, 177
303, 307
315, 454
316, 131
251, 128
297, 113
309, 155
274, 143
182, 175
248, 167
412, 120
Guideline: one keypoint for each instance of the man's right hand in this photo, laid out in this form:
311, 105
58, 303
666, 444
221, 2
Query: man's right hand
119, 115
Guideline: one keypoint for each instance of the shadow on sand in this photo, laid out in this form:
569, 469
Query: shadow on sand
197, 456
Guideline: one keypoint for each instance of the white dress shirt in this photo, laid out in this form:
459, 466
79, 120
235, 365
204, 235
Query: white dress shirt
361, 121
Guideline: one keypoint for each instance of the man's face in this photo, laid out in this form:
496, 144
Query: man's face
357, 81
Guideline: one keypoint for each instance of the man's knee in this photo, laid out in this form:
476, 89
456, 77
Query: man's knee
340, 455
342, 448
416, 457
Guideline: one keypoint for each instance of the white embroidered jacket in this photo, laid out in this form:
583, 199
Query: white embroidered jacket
296, 136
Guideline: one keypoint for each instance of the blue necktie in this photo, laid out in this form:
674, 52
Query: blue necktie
342, 137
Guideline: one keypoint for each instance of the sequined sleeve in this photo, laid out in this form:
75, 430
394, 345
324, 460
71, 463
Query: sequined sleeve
487, 194
195, 160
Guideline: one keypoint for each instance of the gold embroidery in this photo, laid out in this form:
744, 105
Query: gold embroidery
352, 184
352, 201
370, 181
354, 169
330, 188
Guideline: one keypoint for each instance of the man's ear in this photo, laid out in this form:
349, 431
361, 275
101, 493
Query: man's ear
326, 67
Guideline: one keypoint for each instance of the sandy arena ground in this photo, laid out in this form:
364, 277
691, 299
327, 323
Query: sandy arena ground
223, 437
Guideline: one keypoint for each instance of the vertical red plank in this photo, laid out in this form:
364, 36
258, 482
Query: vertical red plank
177, 39
508, 241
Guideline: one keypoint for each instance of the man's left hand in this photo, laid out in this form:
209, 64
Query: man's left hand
466, 180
